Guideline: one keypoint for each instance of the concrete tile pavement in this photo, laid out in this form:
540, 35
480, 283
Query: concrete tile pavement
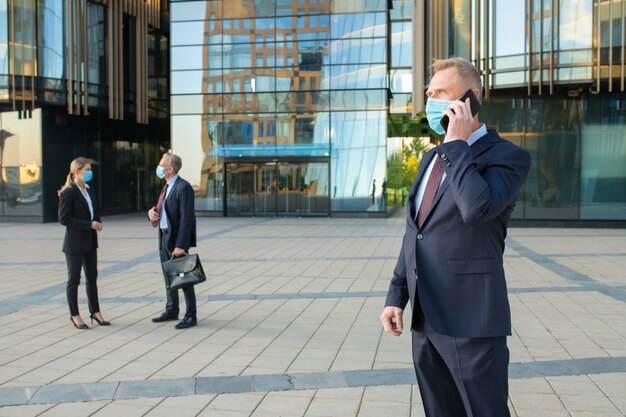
288, 323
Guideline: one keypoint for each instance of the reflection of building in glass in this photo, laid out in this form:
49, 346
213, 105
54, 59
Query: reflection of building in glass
554, 83
286, 107
81, 78
289, 93
299, 92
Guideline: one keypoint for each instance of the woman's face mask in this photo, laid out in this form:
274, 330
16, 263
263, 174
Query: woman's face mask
87, 176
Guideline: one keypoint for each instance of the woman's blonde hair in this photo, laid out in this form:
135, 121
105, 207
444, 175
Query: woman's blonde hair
76, 165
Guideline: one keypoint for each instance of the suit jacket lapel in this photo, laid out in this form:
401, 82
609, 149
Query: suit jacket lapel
477, 148
81, 197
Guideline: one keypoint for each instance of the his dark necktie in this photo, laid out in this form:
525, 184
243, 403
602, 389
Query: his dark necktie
429, 193
160, 205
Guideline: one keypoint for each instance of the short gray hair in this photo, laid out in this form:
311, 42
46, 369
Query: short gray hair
175, 161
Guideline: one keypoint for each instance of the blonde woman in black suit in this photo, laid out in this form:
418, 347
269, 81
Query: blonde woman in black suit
78, 212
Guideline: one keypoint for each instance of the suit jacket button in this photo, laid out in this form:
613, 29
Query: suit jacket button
420, 237
448, 164
414, 270
444, 156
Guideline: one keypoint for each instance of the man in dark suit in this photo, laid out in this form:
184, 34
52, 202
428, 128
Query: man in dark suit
174, 216
450, 265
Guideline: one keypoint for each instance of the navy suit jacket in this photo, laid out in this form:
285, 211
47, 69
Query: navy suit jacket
181, 217
74, 214
454, 262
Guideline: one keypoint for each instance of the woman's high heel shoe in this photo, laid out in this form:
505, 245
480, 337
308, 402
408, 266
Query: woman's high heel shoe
100, 322
79, 326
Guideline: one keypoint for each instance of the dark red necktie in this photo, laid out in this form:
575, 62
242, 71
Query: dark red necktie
160, 205
429, 193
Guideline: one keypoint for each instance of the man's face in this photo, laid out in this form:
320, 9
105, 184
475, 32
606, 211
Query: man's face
167, 165
446, 85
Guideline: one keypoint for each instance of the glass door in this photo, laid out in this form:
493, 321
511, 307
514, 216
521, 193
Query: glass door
277, 189
239, 190
265, 189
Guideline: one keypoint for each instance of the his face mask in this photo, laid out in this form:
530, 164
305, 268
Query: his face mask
87, 176
160, 172
434, 112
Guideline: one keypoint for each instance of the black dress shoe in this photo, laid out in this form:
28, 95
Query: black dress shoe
186, 323
79, 326
164, 317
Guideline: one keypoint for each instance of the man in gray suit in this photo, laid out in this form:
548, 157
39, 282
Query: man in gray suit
174, 216
450, 265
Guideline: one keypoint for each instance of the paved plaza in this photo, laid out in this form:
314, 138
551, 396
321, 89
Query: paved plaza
288, 323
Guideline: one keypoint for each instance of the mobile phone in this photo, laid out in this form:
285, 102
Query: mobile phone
474, 106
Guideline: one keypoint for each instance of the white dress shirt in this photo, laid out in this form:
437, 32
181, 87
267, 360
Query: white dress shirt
88, 198
163, 223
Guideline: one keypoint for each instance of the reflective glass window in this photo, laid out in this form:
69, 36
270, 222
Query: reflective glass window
189, 10
358, 51
50, 32
510, 27
187, 82
187, 104
575, 24
603, 152
358, 76
358, 6
358, 158
341, 100
188, 33
21, 180
238, 56
23, 60
401, 81
401, 44
191, 57
402, 9
195, 140
459, 28
95, 40
363, 25
4, 41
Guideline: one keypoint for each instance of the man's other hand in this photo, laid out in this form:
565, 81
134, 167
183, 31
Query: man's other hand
392, 320
153, 215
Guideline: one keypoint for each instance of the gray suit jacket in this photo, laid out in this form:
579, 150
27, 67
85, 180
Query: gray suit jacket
454, 262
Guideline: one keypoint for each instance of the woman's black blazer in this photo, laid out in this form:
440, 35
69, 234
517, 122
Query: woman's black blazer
75, 216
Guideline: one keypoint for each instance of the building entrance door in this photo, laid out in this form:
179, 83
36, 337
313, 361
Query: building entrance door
277, 189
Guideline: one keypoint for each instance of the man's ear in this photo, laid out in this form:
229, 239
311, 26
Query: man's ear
478, 94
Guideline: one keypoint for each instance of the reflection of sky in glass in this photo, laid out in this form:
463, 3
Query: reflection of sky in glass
278, 86
510, 27
187, 33
4, 62
401, 44
575, 29
51, 38
358, 152
191, 10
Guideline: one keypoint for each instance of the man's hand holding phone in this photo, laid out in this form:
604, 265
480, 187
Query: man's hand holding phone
458, 118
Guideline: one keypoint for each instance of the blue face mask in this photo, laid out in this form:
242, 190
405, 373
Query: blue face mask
87, 176
434, 109
160, 172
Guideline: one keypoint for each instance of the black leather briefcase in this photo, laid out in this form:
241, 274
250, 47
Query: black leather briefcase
183, 271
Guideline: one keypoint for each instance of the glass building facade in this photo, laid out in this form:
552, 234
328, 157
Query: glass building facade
81, 78
554, 84
297, 107
280, 107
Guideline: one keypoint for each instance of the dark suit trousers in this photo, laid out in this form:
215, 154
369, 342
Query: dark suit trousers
171, 305
88, 261
460, 377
